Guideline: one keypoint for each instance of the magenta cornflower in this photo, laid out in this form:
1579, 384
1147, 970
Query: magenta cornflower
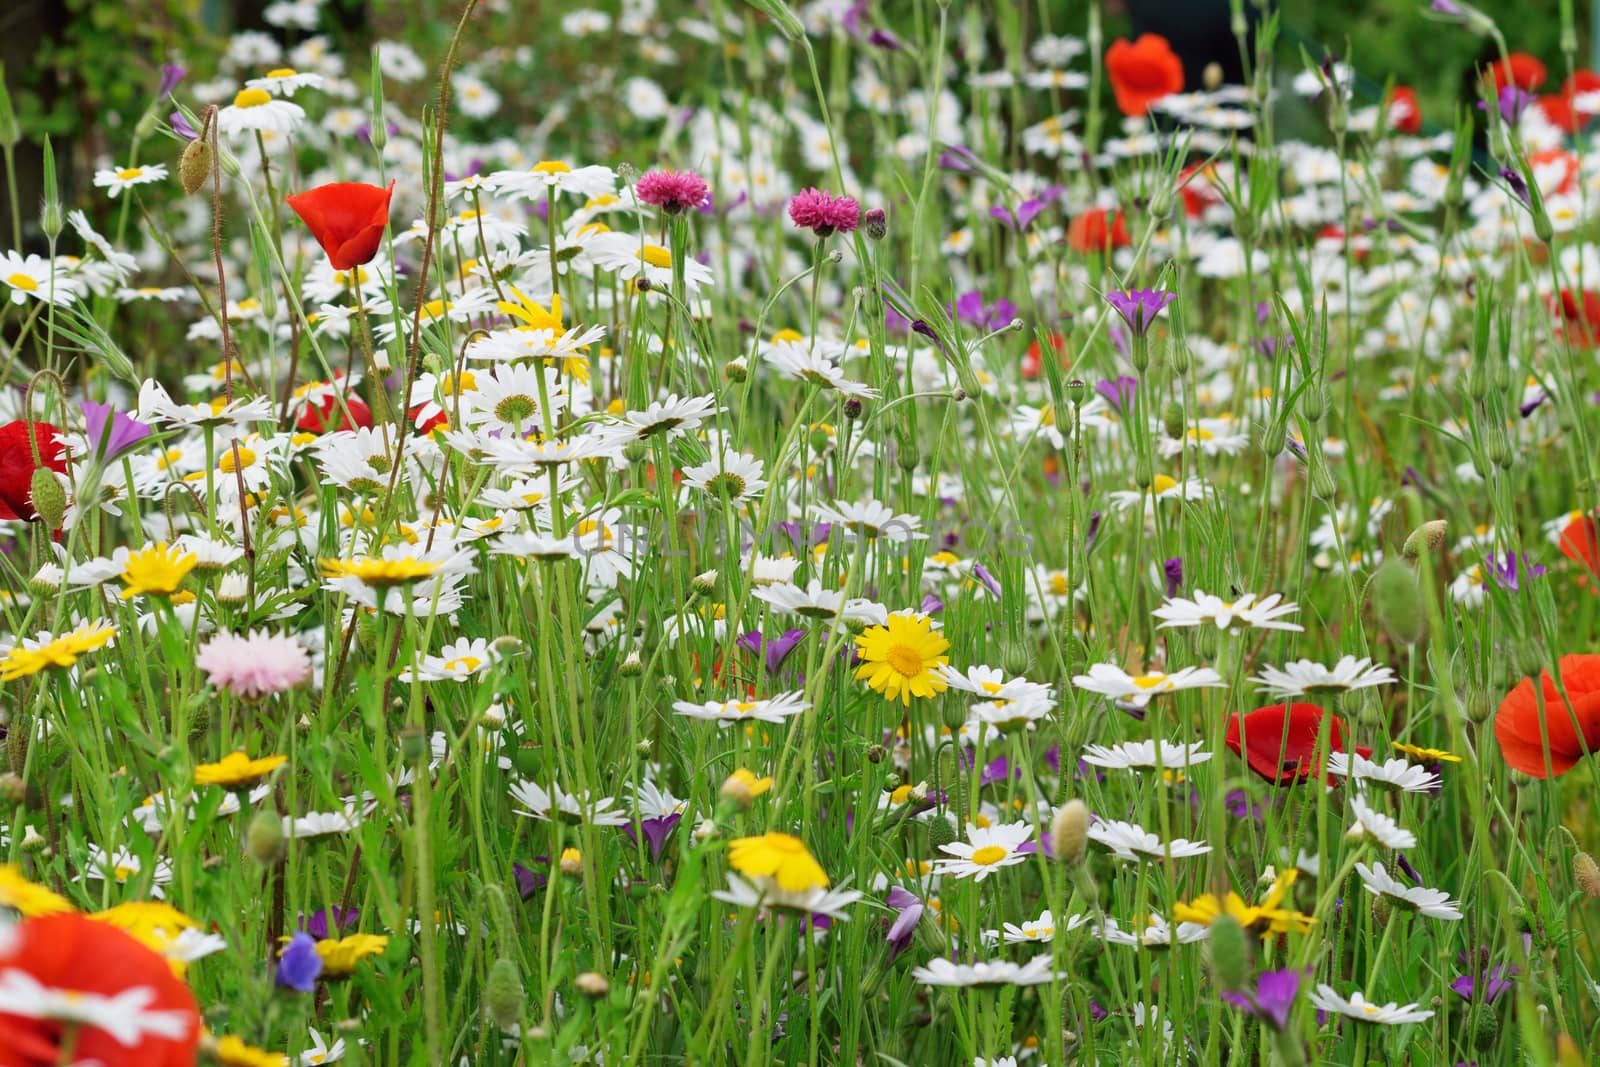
673, 191
823, 213
254, 666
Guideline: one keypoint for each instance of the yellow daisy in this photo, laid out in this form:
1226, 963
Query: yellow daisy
898, 660
1425, 755
157, 569
237, 769
340, 955
780, 857
45, 651
377, 571
29, 899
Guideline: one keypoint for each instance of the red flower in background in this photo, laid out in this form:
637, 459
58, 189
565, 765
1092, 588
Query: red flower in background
17, 465
1097, 230
1143, 72
1197, 184
346, 218
1033, 359
1580, 316
1520, 69
1571, 735
1279, 741
1580, 542
320, 417
1405, 114
1561, 108
72, 966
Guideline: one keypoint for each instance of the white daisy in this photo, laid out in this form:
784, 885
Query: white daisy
1137, 691
734, 475
1129, 841
1358, 1007
1265, 614
1378, 826
284, 81
765, 892
538, 804
725, 713
259, 110
986, 850
116, 179
1395, 773
30, 277
941, 972
456, 662
1131, 754
1434, 903
1305, 676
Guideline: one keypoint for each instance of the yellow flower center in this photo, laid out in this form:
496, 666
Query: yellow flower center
463, 663
127, 174
23, 282
236, 460
1149, 681
988, 855
281, 72
1058, 584
122, 872
551, 166
1163, 483
904, 659
252, 98
656, 256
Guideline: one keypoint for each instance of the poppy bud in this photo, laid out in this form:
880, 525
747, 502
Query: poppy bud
1077, 389
1429, 537
592, 983
1397, 602
876, 223
1069, 832
1172, 423
940, 831
1529, 657
194, 166
1478, 705
264, 837
49, 499
852, 408
503, 993
1211, 77
1586, 873
1230, 953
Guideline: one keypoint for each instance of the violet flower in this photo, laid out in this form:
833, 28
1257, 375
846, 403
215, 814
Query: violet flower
904, 927
776, 650
656, 830
300, 964
181, 127
1173, 570
970, 308
171, 75
1273, 998
1504, 570
110, 433
931, 605
1139, 307
316, 924
988, 580
1496, 982
1118, 392
530, 881
1513, 179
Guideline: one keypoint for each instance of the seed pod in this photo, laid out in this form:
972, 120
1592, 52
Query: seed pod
194, 166
1172, 423
1077, 390
49, 499
264, 837
1069, 832
1586, 873
941, 831
1230, 953
504, 994
852, 408
1397, 602
1429, 537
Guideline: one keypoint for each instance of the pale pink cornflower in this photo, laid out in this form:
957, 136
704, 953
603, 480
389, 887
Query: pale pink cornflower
823, 213
673, 191
254, 666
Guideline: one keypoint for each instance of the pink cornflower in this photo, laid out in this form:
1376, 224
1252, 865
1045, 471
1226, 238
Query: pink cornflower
673, 191
255, 665
823, 213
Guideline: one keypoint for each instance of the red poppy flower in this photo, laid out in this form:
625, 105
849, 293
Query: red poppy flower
1405, 114
1580, 316
1143, 72
1033, 359
1580, 542
1281, 740
428, 425
1520, 69
76, 962
317, 418
346, 218
17, 465
1550, 162
1092, 232
1197, 184
1571, 735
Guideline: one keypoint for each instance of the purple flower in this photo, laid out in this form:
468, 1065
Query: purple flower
997, 770
1511, 101
181, 127
1273, 997
980, 572
110, 433
1095, 518
1026, 212
171, 75
1173, 569
300, 964
656, 830
931, 605
958, 158
1495, 984
1444, 7
1504, 570
1516, 184
1139, 307
882, 38
777, 650
904, 927
530, 881
823, 213
317, 923
1118, 392
673, 191
970, 308
1528, 407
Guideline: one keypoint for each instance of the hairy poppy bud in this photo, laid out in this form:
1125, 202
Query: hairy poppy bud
1069, 832
49, 499
503, 993
940, 831
194, 166
1586, 873
1429, 537
1172, 423
1230, 953
592, 983
264, 837
1397, 602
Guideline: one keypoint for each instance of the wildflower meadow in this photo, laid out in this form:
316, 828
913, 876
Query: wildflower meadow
870, 532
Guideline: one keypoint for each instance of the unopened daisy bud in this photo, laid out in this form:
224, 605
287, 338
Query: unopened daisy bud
852, 408
1397, 602
736, 370
1230, 953
1211, 77
632, 665
1586, 873
940, 831
635, 451
264, 837
49, 498
704, 582
33, 840
571, 861
46, 581
503, 993
1172, 423
1069, 832
1429, 537
507, 646
705, 830
1529, 657
919, 793
592, 983
194, 166
644, 745
835, 256
876, 223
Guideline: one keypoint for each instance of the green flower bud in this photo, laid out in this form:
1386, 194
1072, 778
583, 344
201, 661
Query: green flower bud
1314, 401
1322, 481
1429, 537
1397, 602
1478, 705
1172, 422
1529, 657
504, 995
264, 837
1586, 873
1077, 390
1144, 473
1230, 953
941, 831
49, 498
1275, 438
736, 370
1069, 832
